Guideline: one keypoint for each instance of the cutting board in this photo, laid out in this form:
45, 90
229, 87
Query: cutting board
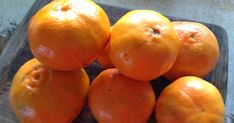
17, 52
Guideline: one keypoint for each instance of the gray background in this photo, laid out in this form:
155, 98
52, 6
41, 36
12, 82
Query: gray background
220, 12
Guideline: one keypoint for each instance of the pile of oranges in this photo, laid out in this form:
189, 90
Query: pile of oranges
67, 35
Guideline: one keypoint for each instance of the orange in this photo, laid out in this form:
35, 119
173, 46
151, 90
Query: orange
143, 45
114, 98
68, 34
41, 95
190, 100
104, 59
199, 51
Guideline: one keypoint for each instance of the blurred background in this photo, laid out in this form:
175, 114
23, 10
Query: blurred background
219, 12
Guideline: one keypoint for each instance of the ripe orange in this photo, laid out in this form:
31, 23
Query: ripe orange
42, 95
114, 98
190, 100
104, 59
143, 45
68, 34
199, 51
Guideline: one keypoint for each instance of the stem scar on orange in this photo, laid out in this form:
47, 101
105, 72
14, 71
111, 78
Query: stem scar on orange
68, 34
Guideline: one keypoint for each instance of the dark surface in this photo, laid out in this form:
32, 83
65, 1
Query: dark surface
17, 52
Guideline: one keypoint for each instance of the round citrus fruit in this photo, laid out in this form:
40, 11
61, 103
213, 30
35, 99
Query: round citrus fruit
68, 34
104, 59
143, 45
198, 52
190, 100
41, 95
114, 98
